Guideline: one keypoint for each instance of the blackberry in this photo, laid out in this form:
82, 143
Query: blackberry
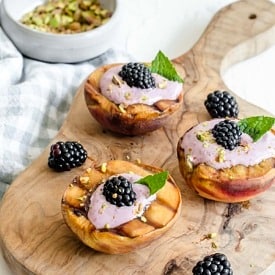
221, 104
213, 264
137, 75
227, 133
66, 155
119, 191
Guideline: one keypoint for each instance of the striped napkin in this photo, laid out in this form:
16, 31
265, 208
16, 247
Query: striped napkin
34, 100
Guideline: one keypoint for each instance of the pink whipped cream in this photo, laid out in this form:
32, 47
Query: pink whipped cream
124, 94
106, 215
208, 152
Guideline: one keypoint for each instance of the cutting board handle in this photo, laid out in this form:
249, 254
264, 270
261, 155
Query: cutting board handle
237, 32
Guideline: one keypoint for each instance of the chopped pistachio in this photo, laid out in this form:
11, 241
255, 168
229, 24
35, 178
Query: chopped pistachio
127, 95
245, 148
143, 219
211, 235
204, 136
83, 198
104, 167
214, 245
89, 170
84, 180
189, 163
163, 84
138, 160
220, 155
107, 226
121, 108
116, 81
67, 16
144, 98
102, 208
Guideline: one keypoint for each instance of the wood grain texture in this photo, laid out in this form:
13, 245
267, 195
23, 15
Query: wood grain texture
33, 235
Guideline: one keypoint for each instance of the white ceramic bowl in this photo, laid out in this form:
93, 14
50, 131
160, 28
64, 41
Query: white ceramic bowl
61, 48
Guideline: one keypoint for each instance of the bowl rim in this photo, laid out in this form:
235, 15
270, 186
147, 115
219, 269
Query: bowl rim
94, 32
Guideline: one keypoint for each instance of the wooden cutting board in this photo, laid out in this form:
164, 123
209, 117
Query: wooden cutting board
34, 238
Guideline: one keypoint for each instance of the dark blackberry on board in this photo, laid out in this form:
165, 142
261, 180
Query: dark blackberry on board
66, 155
221, 104
213, 264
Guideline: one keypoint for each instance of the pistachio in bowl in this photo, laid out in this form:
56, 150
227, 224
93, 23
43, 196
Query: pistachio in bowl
67, 16
61, 31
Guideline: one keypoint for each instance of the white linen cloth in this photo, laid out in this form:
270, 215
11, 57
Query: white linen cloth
34, 99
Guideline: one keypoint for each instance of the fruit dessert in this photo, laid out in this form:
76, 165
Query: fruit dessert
227, 159
134, 98
121, 206
216, 263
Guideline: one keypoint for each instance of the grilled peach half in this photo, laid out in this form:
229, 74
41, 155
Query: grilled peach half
139, 232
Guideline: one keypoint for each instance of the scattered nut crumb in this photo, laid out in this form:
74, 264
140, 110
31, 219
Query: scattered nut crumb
121, 108
104, 167
89, 170
214, 245
127, 95
116, 81
143, 219
163, 84
102, 208
220, 155
84, 180
107, 226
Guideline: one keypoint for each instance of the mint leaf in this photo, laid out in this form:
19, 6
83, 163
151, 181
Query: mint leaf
163, 66
154, 182
256, 126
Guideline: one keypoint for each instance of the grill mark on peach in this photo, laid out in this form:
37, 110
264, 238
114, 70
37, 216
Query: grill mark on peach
158, 214
135, 228
73, 196
169, 196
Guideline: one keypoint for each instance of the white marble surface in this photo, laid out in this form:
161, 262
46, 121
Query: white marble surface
174, 26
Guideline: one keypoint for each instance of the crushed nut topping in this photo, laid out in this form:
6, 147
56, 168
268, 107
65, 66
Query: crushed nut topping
214, 245
220, 155
209, 236
89, 170
104, 167
116, 81
84, 180
144, 98
107, 226
121, 108
102, 208
83, 198
127, 95
67, 16
163, 84
143, 219
189, 163
205, 136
